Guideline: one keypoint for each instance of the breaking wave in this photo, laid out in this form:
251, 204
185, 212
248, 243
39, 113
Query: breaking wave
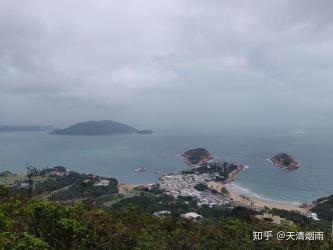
269, 160
233, 187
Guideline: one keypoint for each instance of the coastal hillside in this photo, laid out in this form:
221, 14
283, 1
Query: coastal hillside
106, 127
41, 224
58, 184
324, 208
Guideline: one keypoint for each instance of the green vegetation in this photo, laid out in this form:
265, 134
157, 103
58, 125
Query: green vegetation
181, 205
324, 208
301, 220
197, 156
83, 187
69, 210
41, 224
59, 184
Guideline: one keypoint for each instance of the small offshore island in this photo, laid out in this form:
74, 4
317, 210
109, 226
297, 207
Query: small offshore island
285, 161
197, 156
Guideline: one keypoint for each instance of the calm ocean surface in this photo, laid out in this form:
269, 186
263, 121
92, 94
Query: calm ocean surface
118, 156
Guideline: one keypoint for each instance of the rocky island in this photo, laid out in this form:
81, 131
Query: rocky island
197, 156
285, 161
106, 127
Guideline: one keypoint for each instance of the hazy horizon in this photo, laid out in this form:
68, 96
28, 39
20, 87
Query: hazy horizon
167, 64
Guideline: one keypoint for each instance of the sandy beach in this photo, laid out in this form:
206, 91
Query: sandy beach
254, 202
125, 188
238, 198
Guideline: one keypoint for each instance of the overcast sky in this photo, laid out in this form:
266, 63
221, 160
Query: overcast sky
172, 63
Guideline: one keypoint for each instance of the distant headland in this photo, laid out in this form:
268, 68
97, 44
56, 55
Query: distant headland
22, 128
106, 127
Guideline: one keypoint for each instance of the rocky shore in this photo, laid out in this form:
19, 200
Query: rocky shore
233, 173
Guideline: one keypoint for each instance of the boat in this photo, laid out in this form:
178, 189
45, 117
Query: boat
141, 169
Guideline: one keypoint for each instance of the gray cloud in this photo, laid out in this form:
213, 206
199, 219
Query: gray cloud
172, 62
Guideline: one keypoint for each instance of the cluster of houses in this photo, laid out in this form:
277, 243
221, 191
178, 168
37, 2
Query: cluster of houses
189, 216
24, 184
58, 171
219, 171
184, 185
97, 181
224, 166
274, 219
101, 181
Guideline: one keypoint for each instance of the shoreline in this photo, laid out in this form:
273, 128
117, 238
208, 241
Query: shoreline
232, 175
238, 198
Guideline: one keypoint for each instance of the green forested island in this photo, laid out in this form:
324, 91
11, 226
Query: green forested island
106, 127
197, 156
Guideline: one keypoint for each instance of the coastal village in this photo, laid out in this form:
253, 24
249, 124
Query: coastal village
184, 185
203, 181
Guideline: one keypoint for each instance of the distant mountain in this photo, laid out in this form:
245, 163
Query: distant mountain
96, 128
16, 128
